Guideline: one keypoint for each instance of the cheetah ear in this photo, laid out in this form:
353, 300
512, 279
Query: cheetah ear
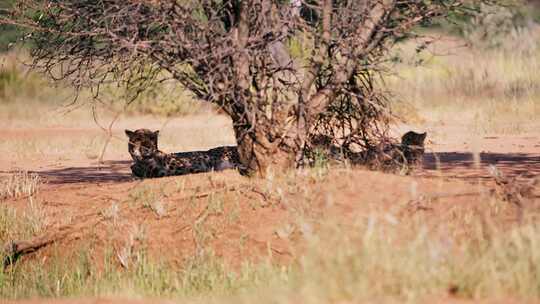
156, 133
129, 133
424, 135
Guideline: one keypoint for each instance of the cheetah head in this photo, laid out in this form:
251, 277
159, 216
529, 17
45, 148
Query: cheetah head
142, 143
413, 140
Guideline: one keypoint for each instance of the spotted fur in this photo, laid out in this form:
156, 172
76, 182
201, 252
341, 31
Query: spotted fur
149, 161
142, 144
386, 156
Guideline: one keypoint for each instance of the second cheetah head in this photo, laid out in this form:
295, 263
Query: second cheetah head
142, 143
413, 140
412, 147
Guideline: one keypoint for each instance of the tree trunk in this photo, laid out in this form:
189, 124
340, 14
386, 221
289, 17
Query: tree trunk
258, 155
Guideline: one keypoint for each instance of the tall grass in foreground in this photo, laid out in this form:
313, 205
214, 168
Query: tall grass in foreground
15, 224
382, 259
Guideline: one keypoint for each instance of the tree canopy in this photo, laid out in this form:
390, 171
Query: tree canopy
238, 55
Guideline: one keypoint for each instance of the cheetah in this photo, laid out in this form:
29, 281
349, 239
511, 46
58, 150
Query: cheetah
402, 158
386, 156
412, 147
149, 161
142, 144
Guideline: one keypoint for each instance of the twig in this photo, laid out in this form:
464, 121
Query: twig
418, 203
15, 249
107, 130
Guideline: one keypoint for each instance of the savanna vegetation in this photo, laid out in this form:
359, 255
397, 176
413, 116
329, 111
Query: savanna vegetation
359, 236
235, 55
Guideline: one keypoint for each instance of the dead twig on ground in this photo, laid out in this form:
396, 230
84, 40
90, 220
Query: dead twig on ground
421, 203
13, 250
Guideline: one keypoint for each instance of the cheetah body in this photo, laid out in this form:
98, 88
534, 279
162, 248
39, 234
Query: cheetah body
386, 156
149, 161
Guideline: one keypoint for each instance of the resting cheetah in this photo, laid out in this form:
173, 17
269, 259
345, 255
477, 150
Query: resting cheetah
151, 162
412, 147
386, 156
403, 157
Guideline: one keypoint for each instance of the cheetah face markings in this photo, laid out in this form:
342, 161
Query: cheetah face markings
413, 139
142, 143
412, 147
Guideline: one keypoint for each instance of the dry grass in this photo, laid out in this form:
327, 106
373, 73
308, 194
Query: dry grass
150, 198
16, 224
494, 90
19, 184
19, 85
382, 256
54, 146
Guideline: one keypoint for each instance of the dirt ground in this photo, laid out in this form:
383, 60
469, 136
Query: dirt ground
102, 205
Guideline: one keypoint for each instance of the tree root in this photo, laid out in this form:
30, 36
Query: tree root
14, 250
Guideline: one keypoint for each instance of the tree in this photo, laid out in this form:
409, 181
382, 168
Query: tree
237, 54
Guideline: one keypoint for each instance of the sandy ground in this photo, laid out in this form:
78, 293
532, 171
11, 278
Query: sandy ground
78, 192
